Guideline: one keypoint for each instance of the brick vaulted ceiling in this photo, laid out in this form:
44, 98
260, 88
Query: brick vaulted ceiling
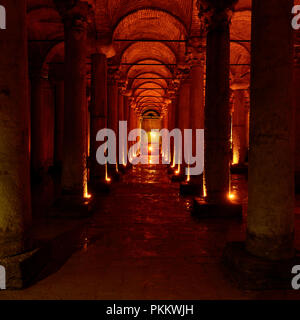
136, 20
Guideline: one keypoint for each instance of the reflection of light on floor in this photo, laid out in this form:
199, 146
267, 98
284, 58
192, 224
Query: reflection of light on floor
86, 193
188, 177
107, 179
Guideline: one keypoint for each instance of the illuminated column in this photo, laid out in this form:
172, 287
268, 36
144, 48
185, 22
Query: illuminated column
113, 113
196, 60
15, 206
121, 107
184, 112
74, 171
121, 139
247, 106
217, 111
297, 111
126, 108
98, 112
216, 18
171, 126
131, 125
166, 120
239, 128
171, 115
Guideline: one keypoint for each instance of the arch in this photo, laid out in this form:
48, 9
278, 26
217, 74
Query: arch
144, 112
55, 54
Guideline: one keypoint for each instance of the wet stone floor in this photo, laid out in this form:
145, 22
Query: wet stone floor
143, 243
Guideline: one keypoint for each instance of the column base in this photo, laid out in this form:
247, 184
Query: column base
113, 174
203, 208
239, 169
72, 206
253, 273
178, 177
55, 241
99, 187
22, 269
171, 170
116, 176
122, 169
190, 188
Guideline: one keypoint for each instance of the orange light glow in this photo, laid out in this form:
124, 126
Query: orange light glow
188, 177
173, 164
231, 196
235, 156
204, 186
178, 170
107, 179
86, 193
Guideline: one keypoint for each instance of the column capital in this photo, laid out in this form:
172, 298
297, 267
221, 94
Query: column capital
122, 84
75, 14
181, 73
195, 51
114, 75
215, 13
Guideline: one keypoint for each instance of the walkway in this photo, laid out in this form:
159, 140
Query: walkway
142, 243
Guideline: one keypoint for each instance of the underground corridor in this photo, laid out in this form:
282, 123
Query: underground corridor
149, 150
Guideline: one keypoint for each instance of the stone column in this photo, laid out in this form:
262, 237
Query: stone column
121, 107
217, 111
56, 76
131, 125
38, 86
297, 111
182, 122
270, 223
247, 106
113, 112
74, 171
166, 120
15, 206
122, 138
171, 126
266, 259
216, 18
98, 112
184, 112
239, 128
171, 116
59, 122
126, 108
196, 60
